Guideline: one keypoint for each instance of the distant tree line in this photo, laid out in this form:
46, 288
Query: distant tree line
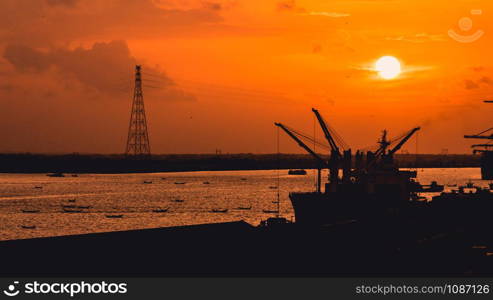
82, 163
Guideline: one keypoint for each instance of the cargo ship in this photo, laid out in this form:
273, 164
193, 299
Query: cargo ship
373, 187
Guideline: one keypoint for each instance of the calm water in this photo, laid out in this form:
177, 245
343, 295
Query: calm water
127, 194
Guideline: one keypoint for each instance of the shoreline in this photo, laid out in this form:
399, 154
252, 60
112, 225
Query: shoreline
118, 164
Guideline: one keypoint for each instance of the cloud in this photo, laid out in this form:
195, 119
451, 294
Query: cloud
213, 5
486, 80
418, 38
289, 5
68, 3
327, 14
317, 48
476, 84
105, 67
478, 69
26, 59
470, 85
38, 22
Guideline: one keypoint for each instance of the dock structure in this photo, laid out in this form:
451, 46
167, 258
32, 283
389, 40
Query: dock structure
486, 150
241, 249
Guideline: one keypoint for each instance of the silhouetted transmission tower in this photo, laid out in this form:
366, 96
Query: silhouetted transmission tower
138, 138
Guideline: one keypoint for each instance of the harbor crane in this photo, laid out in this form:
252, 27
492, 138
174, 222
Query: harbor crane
404, 140
334, 140
335, 154
321, 163
326, 131
486, 150
481, 136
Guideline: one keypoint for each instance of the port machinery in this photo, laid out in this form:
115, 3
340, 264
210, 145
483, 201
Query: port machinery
486, 150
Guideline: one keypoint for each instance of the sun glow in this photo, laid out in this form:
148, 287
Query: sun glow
388, 67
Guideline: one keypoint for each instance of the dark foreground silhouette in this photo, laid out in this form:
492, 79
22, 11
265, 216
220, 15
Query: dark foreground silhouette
385, 248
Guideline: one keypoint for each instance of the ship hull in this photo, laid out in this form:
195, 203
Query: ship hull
385, 195
321, 208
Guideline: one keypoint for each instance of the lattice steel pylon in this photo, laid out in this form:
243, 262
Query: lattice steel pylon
138, 137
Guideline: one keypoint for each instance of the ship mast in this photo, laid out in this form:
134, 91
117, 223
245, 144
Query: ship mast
385, 155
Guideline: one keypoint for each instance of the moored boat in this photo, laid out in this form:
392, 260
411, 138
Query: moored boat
244, 207
297, 172
57, 174
114, 216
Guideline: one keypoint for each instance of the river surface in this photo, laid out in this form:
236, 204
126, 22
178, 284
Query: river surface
36, 200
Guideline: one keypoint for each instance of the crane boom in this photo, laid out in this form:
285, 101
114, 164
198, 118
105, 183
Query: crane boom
404, 140
326, 131
484, 137
303, 145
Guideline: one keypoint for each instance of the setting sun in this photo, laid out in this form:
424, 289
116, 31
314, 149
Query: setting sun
388, 67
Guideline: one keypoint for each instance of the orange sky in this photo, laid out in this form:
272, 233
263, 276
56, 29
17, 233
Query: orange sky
226, 70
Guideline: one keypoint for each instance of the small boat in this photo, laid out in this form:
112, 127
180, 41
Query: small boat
38, 187
71, 200
273, 223
479, 247
417, 198
268, 211
297, 172
217, 210
434, 187
178, 200
160, 210
147, 182
28, 227
57, 174
30, 211
244, 207
206, 182
178, 182
114, 216
71, 210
